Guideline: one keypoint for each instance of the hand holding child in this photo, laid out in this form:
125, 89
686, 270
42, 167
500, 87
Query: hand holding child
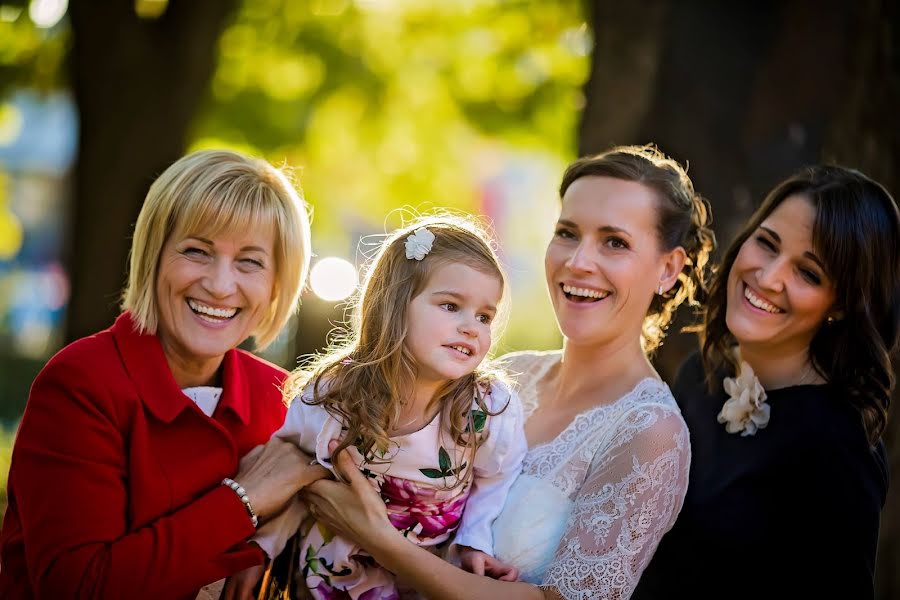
240, 585
479, 563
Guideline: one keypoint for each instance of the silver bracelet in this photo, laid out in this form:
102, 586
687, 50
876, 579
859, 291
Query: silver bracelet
242, 494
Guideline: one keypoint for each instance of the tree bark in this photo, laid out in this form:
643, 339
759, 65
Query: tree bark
866, 135
138, 84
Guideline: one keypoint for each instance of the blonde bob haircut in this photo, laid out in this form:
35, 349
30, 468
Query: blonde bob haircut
214, 192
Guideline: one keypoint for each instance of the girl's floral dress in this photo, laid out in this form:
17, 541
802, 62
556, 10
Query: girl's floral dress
417, 479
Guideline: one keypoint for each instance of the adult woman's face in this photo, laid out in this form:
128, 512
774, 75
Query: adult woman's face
604, 263
778, 291
213, 292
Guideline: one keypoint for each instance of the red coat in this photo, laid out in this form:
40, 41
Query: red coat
114, 488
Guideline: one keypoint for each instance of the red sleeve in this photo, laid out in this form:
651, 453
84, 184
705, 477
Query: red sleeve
69, 473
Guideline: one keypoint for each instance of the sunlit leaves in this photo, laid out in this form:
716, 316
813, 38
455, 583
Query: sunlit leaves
29, 56
384, 101
382, 104
10, 123
10, 226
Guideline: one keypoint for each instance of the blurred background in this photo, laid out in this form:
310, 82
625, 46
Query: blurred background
387, 107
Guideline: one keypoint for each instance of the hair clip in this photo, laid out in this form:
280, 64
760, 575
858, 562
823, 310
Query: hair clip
418, 244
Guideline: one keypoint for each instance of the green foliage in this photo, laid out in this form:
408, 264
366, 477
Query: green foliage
29, 56
383, 106
7, 437
402, 103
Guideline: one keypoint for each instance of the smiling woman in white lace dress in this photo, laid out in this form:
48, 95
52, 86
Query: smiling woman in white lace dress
607, 467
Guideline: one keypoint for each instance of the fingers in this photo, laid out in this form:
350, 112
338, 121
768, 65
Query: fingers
247, 461
240, 585
312, 473
245, 586
318, 494
278, 472
349, 470
500, 570
323, 488
228, 592
344, 465
477, 564
473, 561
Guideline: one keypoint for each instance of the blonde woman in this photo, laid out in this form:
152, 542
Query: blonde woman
125, 479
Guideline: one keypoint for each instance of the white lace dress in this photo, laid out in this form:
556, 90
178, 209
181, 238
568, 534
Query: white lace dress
591, 506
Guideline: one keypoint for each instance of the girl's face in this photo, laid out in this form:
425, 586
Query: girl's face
778, 291
450, 321
604, 263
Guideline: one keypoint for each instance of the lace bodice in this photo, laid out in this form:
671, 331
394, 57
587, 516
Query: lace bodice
617, 477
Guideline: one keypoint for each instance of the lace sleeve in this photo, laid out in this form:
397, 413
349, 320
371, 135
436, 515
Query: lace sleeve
630, 498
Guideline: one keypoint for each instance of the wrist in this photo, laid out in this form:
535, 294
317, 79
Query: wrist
244, 498
386, 545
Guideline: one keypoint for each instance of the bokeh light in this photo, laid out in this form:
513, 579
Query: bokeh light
333, 279
47, 13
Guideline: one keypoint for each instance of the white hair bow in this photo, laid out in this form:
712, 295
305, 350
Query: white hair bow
418, 244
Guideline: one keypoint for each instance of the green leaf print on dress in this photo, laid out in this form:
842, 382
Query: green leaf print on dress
445, 465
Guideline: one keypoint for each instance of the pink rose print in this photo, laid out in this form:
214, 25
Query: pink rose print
380, 593
409, 505
326, 592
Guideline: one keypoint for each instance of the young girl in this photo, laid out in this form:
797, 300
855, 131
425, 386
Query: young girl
433, 432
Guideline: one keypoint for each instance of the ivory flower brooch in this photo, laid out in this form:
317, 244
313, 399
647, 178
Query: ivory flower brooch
745, 411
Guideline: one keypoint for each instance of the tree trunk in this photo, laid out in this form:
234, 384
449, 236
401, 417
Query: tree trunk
138, 84
748, 93
866, 135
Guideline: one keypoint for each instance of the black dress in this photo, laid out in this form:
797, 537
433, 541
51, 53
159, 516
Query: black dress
791, 512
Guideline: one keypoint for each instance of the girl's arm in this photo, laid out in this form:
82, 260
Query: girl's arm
497, 464
358, 513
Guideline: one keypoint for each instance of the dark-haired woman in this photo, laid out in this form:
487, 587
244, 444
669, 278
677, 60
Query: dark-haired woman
788, 400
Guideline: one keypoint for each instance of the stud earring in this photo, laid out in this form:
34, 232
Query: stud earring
659, 291
830, 320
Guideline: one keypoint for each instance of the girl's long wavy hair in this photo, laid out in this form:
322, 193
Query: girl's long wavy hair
857, 234
366, 376
683, 219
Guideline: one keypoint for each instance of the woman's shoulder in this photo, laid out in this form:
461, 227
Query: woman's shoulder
832, 444
88, 373
653, 403
690, 381
258, 367
825, 417
691, 370
84, 357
